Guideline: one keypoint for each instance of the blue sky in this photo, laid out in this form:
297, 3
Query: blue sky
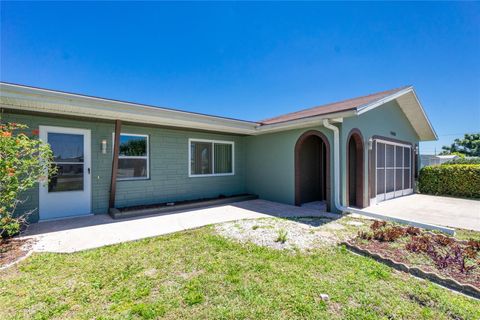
251, 60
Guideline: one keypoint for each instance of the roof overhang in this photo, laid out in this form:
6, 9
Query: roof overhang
29, 99
47, 101
24, 98
412, 108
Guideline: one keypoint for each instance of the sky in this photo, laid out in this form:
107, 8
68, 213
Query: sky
251, 60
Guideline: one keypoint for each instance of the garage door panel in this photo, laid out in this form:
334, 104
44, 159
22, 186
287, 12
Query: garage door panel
380, 181
389, 180
393, 169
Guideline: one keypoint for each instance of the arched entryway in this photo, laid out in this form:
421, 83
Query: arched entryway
312, 168
355, 169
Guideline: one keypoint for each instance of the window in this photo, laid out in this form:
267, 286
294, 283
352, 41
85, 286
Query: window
210, 158
133, 157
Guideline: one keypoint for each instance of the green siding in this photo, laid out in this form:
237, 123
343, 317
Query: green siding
271, 164
380, 121
169, 179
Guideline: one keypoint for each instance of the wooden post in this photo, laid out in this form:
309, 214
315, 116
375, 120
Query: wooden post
116, 149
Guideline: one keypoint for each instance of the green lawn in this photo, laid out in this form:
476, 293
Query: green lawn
199, 275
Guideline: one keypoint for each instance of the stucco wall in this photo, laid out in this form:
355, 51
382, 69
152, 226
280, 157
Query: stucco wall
271, 164
380, 121
169, 179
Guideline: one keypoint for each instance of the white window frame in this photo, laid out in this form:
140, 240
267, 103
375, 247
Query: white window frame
147, 157
213, 174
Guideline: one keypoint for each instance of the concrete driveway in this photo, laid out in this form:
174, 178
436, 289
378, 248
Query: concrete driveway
444, 211
95, 231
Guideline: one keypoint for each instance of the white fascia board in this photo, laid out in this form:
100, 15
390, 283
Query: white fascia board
40, 100
303, 123
425, 115
382, 101
19, 97
373, 105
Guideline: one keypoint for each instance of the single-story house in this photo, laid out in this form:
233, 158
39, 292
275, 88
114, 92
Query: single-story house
111, 153
435, 160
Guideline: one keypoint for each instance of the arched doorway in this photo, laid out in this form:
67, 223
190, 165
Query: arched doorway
355, 169
312, 168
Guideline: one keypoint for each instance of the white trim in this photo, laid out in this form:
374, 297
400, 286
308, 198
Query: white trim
361, 110
147, 157
394, 143
384, 100
26, 98
213, 142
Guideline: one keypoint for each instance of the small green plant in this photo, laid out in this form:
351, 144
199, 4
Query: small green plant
281, 236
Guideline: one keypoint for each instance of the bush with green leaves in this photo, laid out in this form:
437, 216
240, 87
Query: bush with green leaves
464, 160
457, 180
24, 161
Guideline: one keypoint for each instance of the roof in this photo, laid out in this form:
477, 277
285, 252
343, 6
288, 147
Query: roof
344, 105
31, 99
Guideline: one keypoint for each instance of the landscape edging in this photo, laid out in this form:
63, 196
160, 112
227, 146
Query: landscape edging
445, 282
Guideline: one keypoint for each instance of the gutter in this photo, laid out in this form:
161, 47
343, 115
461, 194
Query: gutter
345, 209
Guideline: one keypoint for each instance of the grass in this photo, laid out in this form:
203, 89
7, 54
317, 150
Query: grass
282, 236
199, 275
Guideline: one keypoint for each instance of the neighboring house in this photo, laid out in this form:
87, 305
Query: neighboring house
433, 160
356, 152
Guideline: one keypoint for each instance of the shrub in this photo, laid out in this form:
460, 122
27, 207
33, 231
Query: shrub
24, 160
384, 232
458, 180
377, 224
465, 160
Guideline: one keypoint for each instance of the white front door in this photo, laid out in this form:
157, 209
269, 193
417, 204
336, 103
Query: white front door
68, 192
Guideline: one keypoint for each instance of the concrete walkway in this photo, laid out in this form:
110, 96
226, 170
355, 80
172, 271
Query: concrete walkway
83, 233
444, 211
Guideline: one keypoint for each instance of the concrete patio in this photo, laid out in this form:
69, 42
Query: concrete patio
444, 211
95, 231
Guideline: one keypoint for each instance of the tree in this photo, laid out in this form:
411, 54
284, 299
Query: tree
469, 146
24, 161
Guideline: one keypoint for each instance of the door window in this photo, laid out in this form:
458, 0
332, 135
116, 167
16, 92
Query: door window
69, 160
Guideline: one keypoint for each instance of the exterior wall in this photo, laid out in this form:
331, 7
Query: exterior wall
169, 162
380, 121
271, 164
264, 164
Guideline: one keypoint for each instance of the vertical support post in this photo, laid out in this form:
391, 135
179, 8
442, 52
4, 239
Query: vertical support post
116, 149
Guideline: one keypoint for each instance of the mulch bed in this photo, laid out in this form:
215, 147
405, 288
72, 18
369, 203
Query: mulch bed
397, 250
176, 203
13, 249
400, 254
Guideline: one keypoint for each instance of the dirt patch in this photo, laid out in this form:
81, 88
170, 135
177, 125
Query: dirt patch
13, 249
287, 234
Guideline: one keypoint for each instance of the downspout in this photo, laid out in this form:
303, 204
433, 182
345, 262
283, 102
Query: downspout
336, 190
336, 164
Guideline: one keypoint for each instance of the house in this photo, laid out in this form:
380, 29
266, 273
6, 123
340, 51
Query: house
433, 160
353, 153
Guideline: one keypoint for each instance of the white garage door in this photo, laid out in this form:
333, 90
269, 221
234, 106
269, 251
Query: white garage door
393, 170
